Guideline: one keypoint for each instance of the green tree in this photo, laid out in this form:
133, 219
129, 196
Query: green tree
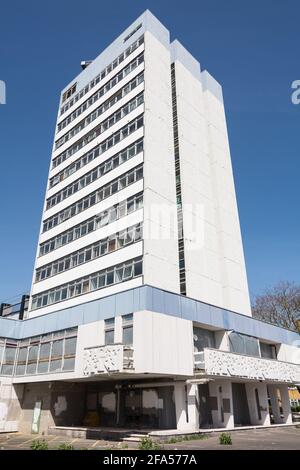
279, 305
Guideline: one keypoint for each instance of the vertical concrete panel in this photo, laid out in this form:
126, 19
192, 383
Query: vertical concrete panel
160, 214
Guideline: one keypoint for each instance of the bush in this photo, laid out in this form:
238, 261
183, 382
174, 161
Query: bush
65, 446
191, 437
225, 439
39, 444
295, 409
147, 444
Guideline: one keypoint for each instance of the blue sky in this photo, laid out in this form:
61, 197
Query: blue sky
250, 47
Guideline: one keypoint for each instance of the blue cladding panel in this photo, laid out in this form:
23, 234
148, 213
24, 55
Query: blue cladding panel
107, 307
172, 304
9, 328
91, 312
158, 299
145, 298
188, 308
124, 302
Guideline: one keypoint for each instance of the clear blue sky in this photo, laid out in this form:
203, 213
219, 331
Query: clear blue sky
250, 46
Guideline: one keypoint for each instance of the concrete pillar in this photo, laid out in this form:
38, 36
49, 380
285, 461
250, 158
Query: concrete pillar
273, 394
220, 392
279, 397
222, 341
258, 403
118, 336
285, 403
193, 412
182, 406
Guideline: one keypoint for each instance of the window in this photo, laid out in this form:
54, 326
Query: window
67, 94
57, 349
102, 127
138, 268
106, 277
52, 352
32, 359
70, 346
21, 363
127, 321
243, 344
93, 198
109, 277
9, 357
113, 213
267, 351
132, 32
203, 339
109, 331
44, 356
127, 273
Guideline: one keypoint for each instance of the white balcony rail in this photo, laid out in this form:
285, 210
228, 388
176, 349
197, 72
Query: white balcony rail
107, 359
215, 362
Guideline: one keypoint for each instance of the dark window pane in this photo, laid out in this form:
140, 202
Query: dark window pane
203, 339
70, 346
128, 335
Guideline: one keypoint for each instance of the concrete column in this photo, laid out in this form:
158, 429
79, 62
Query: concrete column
193, 412
285, 403
274, 398
180, 406
222, 341
220, 392
118, 330
261, 416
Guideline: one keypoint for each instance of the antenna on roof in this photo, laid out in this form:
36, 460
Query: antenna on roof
85, 63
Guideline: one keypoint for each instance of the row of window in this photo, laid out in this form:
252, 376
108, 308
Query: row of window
101, 92
244, 344
132, 32
127, 330
99, 280
54, 352
67, 94
95, 197
182, 272
238, 343
103, 74
98, 130
96, 173
115, 212
108, 143
96, 250
100, 110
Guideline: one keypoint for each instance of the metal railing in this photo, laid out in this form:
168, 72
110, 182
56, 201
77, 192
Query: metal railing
17, 310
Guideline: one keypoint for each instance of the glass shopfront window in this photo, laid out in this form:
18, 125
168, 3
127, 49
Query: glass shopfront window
52, 352
243, 344
203, 339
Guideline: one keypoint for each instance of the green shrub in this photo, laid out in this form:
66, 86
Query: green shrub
65, 446
174, 440
225, 439
295, 409
191, 437
39, 444
147, 444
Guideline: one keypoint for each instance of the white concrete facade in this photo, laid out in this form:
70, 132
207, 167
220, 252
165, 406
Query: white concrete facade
213, 253
139, 330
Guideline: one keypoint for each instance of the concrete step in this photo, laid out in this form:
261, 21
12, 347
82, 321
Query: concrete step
134, 437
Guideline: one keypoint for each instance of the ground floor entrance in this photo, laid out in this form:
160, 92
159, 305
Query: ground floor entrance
130, 405
157, 404
240, 405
